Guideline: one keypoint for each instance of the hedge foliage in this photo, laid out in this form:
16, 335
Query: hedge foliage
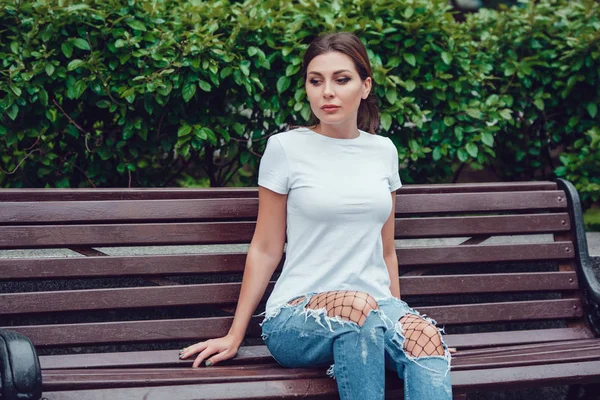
163, 93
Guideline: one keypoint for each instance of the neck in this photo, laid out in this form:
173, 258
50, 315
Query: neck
337, 131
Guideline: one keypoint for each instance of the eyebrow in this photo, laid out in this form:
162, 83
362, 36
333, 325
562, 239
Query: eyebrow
336, 72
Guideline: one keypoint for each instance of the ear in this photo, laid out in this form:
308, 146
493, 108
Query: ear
366, 87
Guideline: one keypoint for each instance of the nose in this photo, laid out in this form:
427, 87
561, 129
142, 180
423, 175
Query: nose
328, 89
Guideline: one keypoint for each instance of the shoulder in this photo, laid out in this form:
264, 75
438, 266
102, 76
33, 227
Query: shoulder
289, 139
384, 142
290, 134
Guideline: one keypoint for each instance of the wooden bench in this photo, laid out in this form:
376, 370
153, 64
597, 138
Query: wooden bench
107, 322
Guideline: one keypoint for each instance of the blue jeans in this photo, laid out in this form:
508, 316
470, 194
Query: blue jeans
299, 337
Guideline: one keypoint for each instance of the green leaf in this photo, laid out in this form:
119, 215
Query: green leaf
12, 112
128, 132
409, 58
446, 57
119, 43
473, 113
487, 139
386, 121
410, 85
539, 103
49, 69
137, 25
204, 85
391, 95
184, 130
245, 67
14, 46
462, 155
592, 109
78, 89
282, 84
81, 44
506, 113
449, 121
472, 149
76, 63
67, 49
189, 90
15, 90
43, 96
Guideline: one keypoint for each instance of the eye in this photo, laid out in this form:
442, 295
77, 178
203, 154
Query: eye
342, 80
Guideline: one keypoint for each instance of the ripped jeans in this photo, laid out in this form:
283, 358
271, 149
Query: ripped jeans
358, 354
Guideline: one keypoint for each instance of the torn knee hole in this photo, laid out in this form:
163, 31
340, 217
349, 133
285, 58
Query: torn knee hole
422, 338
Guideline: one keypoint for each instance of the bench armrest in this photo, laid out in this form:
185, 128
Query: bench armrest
20, 372
587, 278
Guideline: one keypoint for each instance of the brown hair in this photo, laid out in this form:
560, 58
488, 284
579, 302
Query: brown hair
349, 44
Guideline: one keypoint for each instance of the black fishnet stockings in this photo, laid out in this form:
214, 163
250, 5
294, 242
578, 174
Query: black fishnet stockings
350, 305
421, 337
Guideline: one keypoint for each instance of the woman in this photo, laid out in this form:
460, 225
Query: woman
332, 188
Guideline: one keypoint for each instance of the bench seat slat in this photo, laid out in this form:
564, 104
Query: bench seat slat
228, 293
226, 373
260, 354
205, 328
89, 377
323, 388
104, 378
462, 381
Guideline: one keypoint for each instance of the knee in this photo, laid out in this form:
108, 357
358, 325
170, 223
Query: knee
422, 338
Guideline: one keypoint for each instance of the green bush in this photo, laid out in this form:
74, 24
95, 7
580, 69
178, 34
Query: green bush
156, 93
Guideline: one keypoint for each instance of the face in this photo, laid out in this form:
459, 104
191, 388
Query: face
332, 79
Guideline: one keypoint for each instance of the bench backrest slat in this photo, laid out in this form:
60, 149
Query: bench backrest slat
206, 328
139, 234
228, 293
247, 208
115, 266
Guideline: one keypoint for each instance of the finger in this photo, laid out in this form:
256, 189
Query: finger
203, 356
193, 349
452, 349
224, 355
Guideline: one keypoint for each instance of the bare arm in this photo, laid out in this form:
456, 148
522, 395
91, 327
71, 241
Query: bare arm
264, 254
389, 249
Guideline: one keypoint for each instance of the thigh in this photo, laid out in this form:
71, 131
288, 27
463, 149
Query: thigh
296, 339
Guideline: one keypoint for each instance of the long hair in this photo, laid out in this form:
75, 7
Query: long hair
349, 44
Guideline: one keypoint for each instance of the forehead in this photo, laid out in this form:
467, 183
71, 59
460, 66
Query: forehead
330, 62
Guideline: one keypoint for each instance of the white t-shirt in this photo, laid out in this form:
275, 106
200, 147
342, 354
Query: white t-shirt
338, 201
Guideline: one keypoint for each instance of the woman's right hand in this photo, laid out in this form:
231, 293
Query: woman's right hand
212, 350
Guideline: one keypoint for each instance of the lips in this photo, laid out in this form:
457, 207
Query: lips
329, 107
